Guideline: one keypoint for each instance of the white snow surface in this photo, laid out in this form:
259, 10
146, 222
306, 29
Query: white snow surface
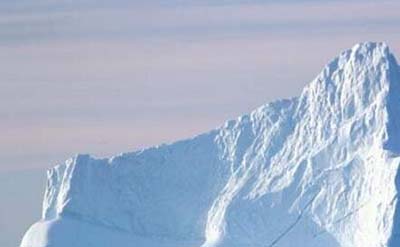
318, 170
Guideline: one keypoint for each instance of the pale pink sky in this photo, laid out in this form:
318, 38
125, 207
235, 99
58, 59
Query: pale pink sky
104, 79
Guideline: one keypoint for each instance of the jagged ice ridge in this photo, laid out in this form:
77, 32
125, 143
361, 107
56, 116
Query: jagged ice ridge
321, 170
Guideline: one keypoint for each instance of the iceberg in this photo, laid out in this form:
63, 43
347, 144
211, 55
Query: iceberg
320, 170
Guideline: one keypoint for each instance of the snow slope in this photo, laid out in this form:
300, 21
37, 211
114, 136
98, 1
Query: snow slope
318, 170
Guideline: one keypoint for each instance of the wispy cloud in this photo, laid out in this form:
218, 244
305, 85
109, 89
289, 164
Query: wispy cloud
141, 21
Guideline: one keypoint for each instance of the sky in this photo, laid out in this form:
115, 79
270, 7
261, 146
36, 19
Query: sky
105, 77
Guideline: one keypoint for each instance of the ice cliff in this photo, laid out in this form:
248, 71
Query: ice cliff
318, 170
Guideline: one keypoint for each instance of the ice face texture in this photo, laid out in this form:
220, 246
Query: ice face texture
318, 170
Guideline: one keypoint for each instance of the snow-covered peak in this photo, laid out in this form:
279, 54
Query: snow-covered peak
318, 169
353, 79
354, 84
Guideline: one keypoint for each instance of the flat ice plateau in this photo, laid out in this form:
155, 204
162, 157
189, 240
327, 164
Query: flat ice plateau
318, 170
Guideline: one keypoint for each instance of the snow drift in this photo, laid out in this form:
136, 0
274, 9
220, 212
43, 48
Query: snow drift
318, 170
